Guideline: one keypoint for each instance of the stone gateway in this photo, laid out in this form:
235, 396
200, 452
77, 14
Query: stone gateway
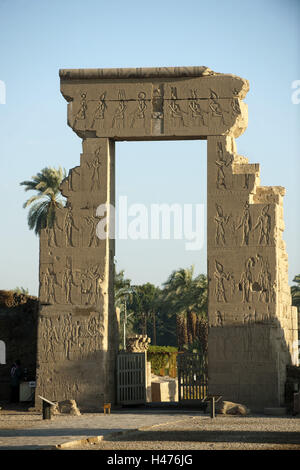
252, 327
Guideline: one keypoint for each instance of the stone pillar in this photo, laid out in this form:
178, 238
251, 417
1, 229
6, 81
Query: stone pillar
252, 326
77, 323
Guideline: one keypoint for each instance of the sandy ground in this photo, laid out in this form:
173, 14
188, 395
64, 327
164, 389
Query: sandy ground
204, 433
200, 432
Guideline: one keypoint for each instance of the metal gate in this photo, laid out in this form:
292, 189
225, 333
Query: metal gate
131, 378
192, 377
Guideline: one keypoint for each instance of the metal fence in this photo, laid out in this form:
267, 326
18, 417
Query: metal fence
131, 378
192, 377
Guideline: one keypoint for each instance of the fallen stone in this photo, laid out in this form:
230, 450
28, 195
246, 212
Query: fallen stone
230, 408
66, 407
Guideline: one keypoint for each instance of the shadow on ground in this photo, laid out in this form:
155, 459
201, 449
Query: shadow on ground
256, 437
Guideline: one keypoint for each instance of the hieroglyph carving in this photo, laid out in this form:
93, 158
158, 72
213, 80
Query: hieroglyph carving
90, 285
245, 224
223, 162
82, 111
176, 113
99, 113
246, 281
221, 220
68, 281
264, 225
69, 226
71, 334
220, 277
215, 107
138, 116
119, 114
196, 110
48, 283
92, 223
257, 278
95, 167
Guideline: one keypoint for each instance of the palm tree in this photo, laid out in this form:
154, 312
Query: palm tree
48, 199
295, 291
122, 288
143, 303
188, 300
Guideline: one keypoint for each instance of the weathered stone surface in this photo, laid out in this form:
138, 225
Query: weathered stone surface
230, 408
252, 326
66, 407
78, 328
154, 103
137, 343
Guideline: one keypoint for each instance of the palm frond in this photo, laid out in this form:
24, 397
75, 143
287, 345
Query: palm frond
46, 183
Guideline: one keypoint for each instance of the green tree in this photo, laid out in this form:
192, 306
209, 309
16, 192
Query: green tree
47, 200
295, 291
21, 290
144, 304
122, 288
187, 299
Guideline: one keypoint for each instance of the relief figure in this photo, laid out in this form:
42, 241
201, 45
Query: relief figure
221, 220
222, 163
91, 285
81, 113
52, 236
48, 283
68, 281
119, 115
175, 111
100, 111
246, 281
50, 338
264, 225
92, 222
220, 276
95, 166
264, 281
215, 106
246, 224
197, 112
138, 116
69, 226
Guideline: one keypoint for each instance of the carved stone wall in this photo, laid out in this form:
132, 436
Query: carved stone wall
252, 327
253, 331
77, 330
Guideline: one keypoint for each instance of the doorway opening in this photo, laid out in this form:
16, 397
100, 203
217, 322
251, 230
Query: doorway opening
160, 264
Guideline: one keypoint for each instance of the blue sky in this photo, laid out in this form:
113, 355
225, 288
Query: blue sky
258, 40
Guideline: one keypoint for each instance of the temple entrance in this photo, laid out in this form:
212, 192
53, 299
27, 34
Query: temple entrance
252, 326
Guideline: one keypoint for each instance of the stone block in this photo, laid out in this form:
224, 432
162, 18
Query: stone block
164, 390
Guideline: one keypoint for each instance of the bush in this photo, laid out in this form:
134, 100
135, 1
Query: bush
161, 358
